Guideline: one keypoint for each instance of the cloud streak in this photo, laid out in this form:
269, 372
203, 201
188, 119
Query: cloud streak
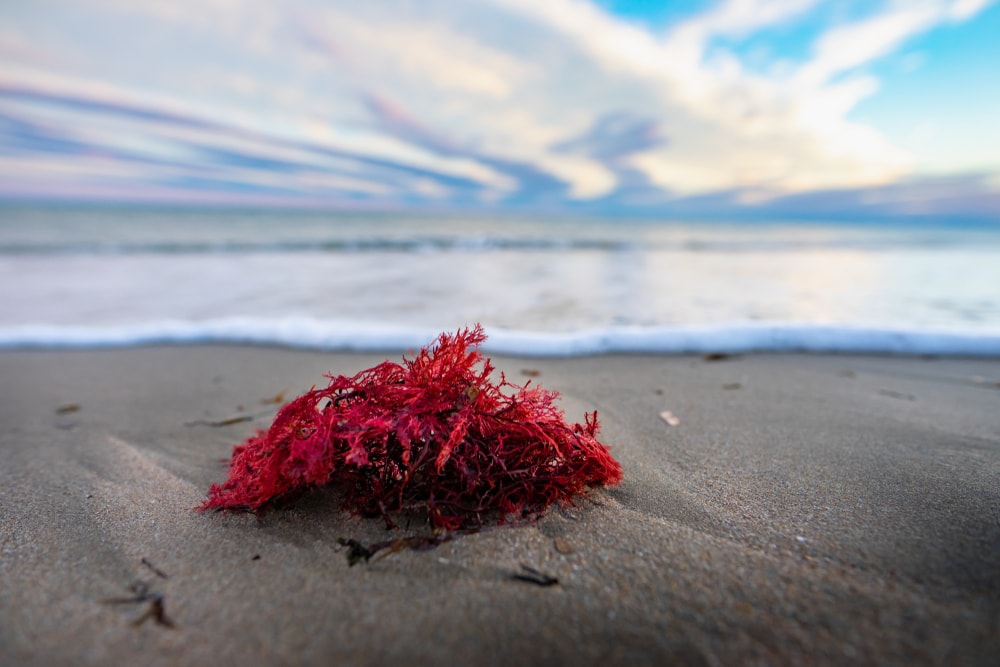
504, 103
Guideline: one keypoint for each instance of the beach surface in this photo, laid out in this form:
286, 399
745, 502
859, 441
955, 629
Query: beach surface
806, 509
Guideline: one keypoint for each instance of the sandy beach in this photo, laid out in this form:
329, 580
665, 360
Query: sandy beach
806, 509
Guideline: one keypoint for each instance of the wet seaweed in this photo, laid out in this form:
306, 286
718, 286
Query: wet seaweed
433, 436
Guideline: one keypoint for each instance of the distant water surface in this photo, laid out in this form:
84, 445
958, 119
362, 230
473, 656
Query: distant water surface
105, 276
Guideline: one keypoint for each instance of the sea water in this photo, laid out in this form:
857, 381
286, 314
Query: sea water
546, 285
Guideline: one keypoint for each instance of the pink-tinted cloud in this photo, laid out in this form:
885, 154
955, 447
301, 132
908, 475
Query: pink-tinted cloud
501, 103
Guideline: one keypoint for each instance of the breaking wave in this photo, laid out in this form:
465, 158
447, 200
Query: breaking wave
330, 335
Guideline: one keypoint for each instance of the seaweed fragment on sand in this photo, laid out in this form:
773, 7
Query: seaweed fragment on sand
156, 609
433, 435
357, 552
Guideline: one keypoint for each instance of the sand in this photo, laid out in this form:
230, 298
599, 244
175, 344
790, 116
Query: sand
805, 510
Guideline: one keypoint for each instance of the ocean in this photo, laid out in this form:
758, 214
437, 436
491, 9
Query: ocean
93, 276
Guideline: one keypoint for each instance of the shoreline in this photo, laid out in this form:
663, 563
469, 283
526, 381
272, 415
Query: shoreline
816, 508
317, 335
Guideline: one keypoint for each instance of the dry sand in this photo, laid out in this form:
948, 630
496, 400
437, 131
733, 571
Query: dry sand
806, 510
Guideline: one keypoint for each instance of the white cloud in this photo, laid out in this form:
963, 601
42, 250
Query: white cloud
962, 10
739, 18
422, 51
725, 124
850, 46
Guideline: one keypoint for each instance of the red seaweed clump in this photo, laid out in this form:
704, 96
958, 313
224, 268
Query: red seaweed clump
432, 435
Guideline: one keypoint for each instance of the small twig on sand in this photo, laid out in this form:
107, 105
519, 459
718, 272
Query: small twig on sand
533, 576
157, 571
221, 422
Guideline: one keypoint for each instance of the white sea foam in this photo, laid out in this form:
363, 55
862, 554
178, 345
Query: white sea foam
86, 278
355, 336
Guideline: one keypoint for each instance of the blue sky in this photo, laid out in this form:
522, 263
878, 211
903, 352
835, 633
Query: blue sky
737, 108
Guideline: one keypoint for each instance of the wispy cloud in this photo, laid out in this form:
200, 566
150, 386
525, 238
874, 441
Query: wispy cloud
501, 102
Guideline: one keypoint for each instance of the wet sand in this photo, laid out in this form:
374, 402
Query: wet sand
807, 509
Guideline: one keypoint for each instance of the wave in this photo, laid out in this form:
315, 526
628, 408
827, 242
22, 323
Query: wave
446, 243
359, 245
355, 336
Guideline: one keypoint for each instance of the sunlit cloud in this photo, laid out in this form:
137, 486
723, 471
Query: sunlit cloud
497, 103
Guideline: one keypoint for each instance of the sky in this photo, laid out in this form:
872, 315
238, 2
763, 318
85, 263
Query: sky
863, 109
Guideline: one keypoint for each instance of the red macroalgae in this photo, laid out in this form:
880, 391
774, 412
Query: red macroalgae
432, 435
